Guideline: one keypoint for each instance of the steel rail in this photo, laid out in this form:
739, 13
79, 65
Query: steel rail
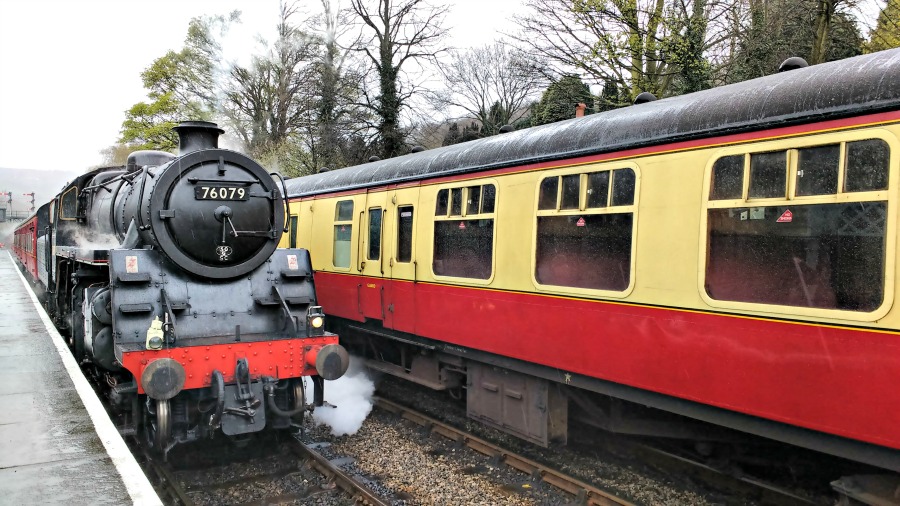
359, 492
584, 493
167, 483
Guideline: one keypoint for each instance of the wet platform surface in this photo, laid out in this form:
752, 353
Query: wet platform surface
52, 451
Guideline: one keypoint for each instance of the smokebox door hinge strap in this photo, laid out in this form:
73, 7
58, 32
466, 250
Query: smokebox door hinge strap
169, 317
287, 312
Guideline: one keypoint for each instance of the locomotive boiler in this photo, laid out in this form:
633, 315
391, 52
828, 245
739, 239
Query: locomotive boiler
166, 276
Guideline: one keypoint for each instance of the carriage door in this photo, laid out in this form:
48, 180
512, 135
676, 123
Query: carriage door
371, 259
400, 297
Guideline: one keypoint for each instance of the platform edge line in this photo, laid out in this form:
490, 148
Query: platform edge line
136, 483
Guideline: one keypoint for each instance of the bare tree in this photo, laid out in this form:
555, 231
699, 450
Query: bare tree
267, 101
826, 12
774, 30
491, 84
334, 117
638, 45
397, 37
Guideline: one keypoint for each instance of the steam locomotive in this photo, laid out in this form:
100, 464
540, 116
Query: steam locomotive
166, 277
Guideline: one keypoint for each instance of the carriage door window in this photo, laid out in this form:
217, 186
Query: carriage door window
375, 215
343, 231
807, 227
464, 232
404, 233
585, 224
293, 239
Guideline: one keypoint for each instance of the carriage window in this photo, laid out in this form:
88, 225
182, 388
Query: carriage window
473, 200
343, 232
548, 193
828, 253
464, 246
344, 211
69, 207
488, 197
867, 166
768, 175
456, 202
623, 187
817, 170
441, 207
589, 249
598, 189
404, 233
375, 216
727, 178
571, 191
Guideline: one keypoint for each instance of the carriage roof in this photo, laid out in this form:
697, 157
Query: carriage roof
854, 86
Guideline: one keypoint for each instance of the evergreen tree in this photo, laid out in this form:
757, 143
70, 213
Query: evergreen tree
886, 34
452, 136
610, 98
181, 85
784, 28
471, 132
560, 100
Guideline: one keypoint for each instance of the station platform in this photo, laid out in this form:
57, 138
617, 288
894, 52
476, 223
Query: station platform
57, 444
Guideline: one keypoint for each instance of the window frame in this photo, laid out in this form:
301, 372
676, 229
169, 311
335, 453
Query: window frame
464, 215
293, 230
792, 146
337, 222
62, 207
585, 171
412, 230
370, 243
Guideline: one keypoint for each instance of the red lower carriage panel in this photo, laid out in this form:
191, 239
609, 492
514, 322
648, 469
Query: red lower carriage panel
831, 379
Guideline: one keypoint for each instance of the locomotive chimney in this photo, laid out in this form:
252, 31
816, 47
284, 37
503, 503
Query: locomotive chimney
197, 135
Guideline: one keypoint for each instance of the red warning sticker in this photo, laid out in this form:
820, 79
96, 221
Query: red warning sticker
786, 217
462, 225
131, 264
580, 222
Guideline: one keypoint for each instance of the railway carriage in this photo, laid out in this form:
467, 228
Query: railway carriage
728, 255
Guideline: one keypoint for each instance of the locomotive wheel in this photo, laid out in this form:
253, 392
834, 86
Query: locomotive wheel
76, 328
157, 424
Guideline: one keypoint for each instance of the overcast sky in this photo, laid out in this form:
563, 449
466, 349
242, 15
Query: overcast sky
69, 69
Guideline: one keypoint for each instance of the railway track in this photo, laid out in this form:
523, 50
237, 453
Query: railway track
298, 474
653, 461
317, 469
581, 492
329, 477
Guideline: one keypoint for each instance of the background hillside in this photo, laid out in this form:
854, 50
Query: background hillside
44, 183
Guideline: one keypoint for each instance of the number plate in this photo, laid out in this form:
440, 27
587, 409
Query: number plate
213, 192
